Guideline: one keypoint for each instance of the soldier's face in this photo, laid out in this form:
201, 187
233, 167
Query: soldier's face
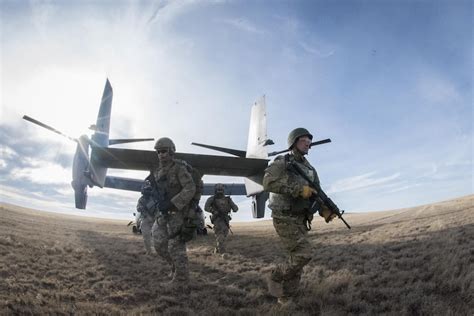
302, 144
163, 155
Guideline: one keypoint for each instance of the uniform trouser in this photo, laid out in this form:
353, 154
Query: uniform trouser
148, 227
170, 246
221, 230
293, 236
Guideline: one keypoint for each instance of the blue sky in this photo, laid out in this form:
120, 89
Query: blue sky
390, 82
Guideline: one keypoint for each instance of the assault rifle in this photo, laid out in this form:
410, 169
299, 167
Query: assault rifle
319, 199
159, 199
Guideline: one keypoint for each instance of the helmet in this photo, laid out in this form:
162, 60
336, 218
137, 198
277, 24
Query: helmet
219, 188
297, 133
165, 143
146, 187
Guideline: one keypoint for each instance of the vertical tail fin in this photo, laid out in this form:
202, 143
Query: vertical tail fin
102, 126
100, 138
256, 148
258, 131
257, 141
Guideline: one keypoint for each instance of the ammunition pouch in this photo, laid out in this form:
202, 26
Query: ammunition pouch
151, 207
225, 217
190, 225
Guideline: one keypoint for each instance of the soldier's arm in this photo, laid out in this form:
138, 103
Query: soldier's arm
140, 206
199, 187
276, 180
233, 206
183, 198
208, 205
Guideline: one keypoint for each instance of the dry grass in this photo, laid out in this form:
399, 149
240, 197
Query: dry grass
416, 261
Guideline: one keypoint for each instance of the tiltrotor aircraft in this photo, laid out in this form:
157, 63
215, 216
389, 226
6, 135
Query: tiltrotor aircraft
94, 156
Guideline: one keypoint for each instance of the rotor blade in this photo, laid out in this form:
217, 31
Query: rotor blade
319, 142
129, 140
235, 152
32, 120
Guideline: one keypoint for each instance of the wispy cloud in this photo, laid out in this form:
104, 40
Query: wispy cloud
361, 182
43, 173
243, 25
322, 53
404, 187
437, 90
164, 12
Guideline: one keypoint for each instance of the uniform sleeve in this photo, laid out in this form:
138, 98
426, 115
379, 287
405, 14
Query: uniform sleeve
276, 180
183, 198
199, 188
140, 205
233, 206
208, 205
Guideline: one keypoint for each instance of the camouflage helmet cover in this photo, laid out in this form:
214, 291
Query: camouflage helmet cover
297, 133
165, 143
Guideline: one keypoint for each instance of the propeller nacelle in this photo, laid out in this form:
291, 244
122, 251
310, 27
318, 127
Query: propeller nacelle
86, 170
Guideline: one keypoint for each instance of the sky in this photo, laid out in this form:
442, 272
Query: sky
389, 82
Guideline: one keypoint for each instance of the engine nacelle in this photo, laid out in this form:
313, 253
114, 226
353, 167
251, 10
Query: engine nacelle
80, 170
258, 204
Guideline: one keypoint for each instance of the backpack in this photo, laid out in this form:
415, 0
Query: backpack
197, 179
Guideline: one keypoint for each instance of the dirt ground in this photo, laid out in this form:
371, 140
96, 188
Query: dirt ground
414, 261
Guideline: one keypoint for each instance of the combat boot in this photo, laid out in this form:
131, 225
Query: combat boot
275, 288
178, 284
286, 302
173, 272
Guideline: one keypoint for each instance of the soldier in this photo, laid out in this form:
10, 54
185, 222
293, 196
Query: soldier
147, 208
220, 206
289, 202
176, 189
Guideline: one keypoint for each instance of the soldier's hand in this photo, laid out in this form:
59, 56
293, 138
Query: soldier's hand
327, 214
307, 192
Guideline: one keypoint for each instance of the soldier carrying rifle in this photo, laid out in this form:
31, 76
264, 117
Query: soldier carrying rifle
295, 195
220, 206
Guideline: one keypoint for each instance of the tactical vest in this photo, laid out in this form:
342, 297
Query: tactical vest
283, 204
221, 205
167, 180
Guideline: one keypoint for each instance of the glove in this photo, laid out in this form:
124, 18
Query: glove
307, 191
327, 214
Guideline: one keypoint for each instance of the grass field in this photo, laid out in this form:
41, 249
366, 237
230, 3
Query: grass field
415, 261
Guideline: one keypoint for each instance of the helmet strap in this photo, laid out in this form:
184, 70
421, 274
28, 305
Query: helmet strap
299, 156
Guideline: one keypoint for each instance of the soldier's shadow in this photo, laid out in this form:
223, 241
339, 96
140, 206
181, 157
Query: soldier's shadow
142, 280
377, 274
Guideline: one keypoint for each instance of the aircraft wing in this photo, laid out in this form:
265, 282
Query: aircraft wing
130, 184
134, 159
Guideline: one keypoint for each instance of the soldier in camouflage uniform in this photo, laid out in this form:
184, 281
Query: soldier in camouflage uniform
220, 206
175, 183
289, 202
147, 208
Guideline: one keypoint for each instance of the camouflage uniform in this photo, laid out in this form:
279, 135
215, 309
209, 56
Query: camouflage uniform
290, 212
147, 226
175, 179
220, 206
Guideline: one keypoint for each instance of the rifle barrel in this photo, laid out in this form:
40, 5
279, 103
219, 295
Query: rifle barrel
342, 219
